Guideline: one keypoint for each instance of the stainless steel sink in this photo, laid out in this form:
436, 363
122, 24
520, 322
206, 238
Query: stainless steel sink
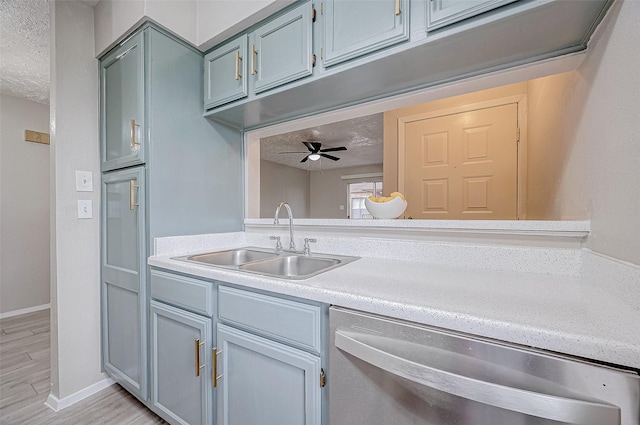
291, 266
232, 257
284, 265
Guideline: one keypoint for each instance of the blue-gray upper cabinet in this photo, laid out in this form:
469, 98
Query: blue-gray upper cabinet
281, 50
124, 311
265, 382
355, 28
122, 108
445, 12
181, 359
225, 76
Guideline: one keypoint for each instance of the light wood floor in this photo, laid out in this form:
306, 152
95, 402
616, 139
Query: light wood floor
25, 382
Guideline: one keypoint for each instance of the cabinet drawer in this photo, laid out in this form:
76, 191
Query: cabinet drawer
289, 321
190, 294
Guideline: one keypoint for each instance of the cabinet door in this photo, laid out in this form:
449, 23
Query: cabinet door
354, 28
264, 382
225, 78
444, 12
124, 313
181, 365
281, 51
122, 105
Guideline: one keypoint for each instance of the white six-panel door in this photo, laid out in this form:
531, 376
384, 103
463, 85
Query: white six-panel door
463, 166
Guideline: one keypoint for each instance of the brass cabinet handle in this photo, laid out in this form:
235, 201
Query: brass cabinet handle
253, 60
197, 345
397, 7
238, 59
214, 369
132, 194
133, 133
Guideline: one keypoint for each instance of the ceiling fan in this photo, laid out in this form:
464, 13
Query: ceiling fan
315, 151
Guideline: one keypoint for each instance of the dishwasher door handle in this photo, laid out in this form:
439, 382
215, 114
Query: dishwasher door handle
519, 400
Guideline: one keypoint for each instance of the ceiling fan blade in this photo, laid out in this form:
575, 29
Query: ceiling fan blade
334, 158
313, 146
339, 148
292, 152
305, 158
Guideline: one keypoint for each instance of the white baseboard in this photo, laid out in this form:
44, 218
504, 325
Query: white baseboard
24, 311
56, 404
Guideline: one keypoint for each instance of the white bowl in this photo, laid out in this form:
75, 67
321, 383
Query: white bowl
386, 210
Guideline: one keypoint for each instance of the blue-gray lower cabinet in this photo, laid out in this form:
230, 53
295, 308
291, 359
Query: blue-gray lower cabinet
181, 365
355, 28
123, 288
265, 382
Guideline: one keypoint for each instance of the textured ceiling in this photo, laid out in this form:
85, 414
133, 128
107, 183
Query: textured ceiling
24, 49
362, 137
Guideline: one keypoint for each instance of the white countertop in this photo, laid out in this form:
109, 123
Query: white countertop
565, 314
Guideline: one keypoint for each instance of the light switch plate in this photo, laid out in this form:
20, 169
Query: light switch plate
84, 181
85, 208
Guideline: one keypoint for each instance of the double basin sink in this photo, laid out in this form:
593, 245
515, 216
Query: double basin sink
285, 265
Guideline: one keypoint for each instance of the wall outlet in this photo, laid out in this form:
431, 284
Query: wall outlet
85, 208
84, 181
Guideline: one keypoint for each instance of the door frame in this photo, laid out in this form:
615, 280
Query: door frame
520, 100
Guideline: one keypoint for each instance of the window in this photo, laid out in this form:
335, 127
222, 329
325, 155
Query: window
357, 193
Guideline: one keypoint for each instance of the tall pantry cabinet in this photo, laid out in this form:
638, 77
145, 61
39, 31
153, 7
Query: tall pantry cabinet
166, 171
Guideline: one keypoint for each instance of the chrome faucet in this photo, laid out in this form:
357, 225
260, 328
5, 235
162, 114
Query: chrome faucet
292, 244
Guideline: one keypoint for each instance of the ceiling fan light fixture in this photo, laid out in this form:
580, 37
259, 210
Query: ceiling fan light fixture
314, 157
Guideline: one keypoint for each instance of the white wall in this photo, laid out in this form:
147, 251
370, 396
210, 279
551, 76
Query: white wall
203, 23
115, 18
24, 206
281, 183
607, 100
75, 260
218, 20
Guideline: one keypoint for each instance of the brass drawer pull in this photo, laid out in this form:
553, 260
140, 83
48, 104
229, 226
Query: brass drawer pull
197, 346
397, 7
134, 126
254, 71
214, 369
132, 194
238, 59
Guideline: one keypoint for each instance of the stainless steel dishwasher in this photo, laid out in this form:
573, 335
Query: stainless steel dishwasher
391, 372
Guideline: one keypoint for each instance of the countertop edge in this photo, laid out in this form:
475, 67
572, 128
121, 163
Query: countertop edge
552, 335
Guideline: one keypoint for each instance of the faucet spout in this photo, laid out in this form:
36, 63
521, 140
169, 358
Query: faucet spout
276, 221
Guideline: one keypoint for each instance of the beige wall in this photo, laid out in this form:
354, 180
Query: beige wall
24, 206
329, 190
281, 183
556, 189
607, 126
75, 243
556, 156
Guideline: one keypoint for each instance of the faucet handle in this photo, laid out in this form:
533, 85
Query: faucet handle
278, 243
307, 249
